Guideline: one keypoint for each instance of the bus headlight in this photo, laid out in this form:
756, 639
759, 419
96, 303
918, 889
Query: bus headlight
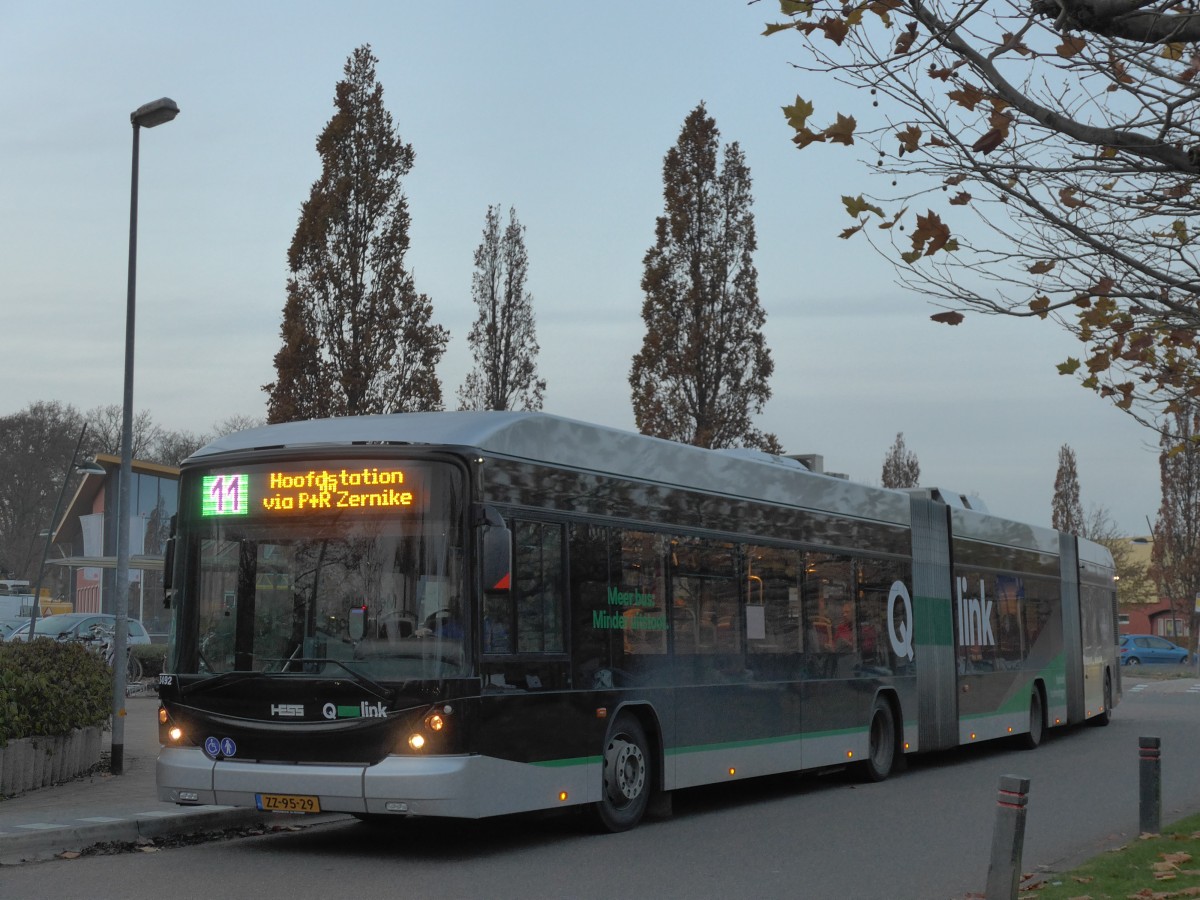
416, 741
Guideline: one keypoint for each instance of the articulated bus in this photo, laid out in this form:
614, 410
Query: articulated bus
480, 613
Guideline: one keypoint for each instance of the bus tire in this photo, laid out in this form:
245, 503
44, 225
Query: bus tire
881, 751
627, 777
1031, 739
1105, 716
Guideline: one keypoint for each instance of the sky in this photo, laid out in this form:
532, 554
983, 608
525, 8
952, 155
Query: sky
562, 111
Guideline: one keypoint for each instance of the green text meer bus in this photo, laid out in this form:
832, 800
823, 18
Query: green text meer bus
478, 613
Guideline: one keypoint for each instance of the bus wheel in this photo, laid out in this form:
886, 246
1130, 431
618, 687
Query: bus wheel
627, 781
882, 752
1037, 723
1106, 716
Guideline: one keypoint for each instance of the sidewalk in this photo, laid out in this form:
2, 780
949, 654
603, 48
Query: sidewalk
102, 807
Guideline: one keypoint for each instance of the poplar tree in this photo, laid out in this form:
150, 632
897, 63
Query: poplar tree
900, 466
1066, 510
503, 339
1175, 553
356, 336
704, 366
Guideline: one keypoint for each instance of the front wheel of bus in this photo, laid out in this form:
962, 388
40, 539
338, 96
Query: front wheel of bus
882, 751
627, 776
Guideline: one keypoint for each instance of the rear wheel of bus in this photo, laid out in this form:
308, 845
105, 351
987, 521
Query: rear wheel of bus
1037, 723
881, 753
628, 776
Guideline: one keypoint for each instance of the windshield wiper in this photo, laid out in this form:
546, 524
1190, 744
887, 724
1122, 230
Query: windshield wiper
215, 681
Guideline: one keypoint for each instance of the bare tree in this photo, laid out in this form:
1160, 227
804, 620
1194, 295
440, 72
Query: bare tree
900, 467
1133, 577
1175, 555
1066, 509
503, 339
104, 431
1042, 160
36, 446
704, 366
357, 337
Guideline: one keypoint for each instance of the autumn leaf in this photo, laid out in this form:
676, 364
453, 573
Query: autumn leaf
1071, 46
1041, 306
1042, 267
968, 97
910, 139
804, 137
796, 7
948, 318
989, 141
1070, 367
1069, 200
956, 179
776, 27
1011, 42
962, 198
835, 29
850, 232
1119, 71
797, 114
1172, 52
856, 206
931, 233
842, 131
905, 41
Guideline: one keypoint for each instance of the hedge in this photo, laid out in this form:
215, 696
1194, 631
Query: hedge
49, 688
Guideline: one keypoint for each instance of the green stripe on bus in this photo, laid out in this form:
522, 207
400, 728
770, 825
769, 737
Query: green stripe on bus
934, 625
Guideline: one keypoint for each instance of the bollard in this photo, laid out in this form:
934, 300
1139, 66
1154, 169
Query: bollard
1008, 839
1150, 784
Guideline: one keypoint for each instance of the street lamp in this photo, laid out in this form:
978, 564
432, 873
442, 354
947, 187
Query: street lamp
147, 116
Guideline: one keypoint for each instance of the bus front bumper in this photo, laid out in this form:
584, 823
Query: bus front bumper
454, 786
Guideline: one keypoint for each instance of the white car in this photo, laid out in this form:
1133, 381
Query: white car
78, 626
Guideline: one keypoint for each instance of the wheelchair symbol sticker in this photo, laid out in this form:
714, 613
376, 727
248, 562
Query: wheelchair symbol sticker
220, 747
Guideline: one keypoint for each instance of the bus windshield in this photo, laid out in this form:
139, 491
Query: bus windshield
319, 567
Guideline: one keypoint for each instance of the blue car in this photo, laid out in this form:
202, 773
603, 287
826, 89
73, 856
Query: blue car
1139, 649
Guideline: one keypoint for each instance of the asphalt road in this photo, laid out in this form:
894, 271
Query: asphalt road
923, 834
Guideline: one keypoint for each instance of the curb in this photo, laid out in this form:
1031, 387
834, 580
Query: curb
47, 843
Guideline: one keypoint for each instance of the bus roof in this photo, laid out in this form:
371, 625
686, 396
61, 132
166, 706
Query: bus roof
568, 443
559, 441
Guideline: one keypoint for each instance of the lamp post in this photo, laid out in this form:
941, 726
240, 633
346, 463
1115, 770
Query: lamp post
147, 116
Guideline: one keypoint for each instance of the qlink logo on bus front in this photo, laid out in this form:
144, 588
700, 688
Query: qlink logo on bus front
900, 634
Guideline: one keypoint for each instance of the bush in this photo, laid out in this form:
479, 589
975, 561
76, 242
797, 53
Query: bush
49, 688
152, 657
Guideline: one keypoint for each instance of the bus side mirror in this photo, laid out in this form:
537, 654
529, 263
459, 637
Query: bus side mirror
497, 558
168, 573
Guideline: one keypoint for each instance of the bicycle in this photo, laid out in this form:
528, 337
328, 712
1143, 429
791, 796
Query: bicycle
101, 641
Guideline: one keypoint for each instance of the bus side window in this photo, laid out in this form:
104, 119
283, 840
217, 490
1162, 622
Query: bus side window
497, 623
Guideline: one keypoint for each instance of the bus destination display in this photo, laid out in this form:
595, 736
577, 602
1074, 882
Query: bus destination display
305, 492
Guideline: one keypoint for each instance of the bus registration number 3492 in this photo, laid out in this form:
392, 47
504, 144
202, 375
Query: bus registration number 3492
296, 803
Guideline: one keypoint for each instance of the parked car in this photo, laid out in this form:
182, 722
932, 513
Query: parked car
1139, 649
77, 626
8, 626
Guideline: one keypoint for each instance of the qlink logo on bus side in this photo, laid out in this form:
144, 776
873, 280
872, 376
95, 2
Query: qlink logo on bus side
974, 617
901, 637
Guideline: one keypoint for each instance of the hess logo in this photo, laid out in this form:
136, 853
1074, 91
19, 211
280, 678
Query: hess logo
290, 710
